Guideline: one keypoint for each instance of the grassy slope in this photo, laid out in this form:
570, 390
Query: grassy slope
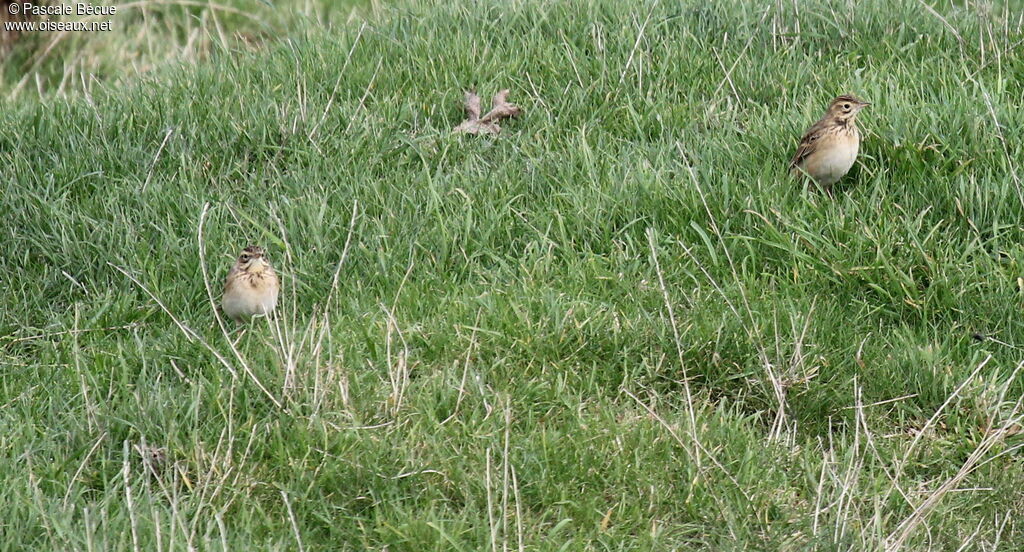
513, 280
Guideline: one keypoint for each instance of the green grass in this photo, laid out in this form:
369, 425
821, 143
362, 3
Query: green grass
524, 328
148, 35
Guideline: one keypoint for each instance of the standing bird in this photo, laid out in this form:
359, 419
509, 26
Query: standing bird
251, 288
829, 148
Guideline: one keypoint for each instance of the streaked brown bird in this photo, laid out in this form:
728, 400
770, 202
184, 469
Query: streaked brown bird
829, 148
252, 286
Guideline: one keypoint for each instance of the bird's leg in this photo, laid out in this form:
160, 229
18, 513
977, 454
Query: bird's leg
241, 332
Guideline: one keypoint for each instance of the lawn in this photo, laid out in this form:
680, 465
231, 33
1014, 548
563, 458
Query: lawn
616, 325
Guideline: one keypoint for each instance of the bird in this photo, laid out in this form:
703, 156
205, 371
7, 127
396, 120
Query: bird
251, 288
829, 147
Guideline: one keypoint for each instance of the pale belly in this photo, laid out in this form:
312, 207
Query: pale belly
247, 305
830, 164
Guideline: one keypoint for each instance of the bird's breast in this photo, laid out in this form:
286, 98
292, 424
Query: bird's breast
833, 158
247, 296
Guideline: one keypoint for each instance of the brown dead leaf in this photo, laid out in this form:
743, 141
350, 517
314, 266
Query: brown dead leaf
472, 105
501, 108
488, 124
607, 520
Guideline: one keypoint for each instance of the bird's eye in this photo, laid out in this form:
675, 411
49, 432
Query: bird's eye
243, 259
846, 106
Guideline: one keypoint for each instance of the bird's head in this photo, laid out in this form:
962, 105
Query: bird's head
846, 107
252, 259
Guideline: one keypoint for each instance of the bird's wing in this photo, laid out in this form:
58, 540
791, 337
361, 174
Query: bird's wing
230, 280
808, 144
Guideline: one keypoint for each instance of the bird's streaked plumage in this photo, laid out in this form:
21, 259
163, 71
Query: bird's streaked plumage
829, 148
252, 286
